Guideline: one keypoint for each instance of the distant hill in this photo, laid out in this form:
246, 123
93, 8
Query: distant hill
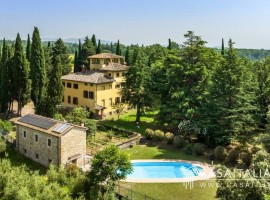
74, 40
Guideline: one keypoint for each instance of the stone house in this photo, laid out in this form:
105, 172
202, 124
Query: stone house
47, 141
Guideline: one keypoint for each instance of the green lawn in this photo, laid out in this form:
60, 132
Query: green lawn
127, 121
169, 191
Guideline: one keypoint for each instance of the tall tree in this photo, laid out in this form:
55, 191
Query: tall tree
48, 59
136, 88
28, 48
76, 64
5, 96
94, 40
118, 50
55, 89
37, 70
127, 57
231, 98
111, 48
88, 49
59, 49
222, 47
170, 45
21, 73
99, 47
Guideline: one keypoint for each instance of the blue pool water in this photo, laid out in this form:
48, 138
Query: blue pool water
164, 170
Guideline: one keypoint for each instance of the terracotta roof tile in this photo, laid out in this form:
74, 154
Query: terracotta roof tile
114, 67
89, 76
105, 55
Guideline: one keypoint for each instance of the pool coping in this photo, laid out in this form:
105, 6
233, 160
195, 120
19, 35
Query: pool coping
208, 173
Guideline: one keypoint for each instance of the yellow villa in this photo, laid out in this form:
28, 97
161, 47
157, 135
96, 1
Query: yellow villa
98, 88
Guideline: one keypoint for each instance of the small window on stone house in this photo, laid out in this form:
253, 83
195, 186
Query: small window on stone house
49, 161
25, 150
24, 134
37, 156
49, 142
36, 138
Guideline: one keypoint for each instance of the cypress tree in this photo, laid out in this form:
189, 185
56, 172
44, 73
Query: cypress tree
88, 49
170, 45
127, 57
94, 40
55, 88
118, 50
37, 70
76, 65
79, 56
21, 71
99, 48
28, 48
111, 47
5, 97
48, 59
222, 47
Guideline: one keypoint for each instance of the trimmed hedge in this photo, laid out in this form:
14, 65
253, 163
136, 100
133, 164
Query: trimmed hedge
220, 153
169, 137
233, 156
199, 149
179, 141
149, 134
158, 135
188, 149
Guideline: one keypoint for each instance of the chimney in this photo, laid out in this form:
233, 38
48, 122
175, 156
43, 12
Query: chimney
83, 68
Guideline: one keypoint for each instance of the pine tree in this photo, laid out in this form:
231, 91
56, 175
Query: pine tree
21, 72
231, 99
28, 48
222, 47
55, 88
99, 48
37, 70
59, 49
5, 93
118, 50
170, 45
127, 57
136, 88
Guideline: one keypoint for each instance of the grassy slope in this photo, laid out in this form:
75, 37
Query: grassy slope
169, 191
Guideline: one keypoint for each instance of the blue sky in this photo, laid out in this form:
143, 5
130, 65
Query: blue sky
247, 22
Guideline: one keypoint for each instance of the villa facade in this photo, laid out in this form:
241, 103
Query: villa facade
98, 88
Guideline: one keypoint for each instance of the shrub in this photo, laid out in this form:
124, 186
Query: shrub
3, 145
233, 156
149, 134
199, 149
169, 137
220, 153
158, 135
179, 141
6, 125
110, 135
246, 157
188, 149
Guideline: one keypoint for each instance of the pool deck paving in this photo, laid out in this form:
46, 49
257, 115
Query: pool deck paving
207, 173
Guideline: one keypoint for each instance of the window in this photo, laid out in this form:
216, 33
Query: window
37, 156
85, 94
117, 86
117, 100
49, 161
91, 95
24, 134
106, 61
110, 74
36, 138
75, 86
69, 99
75, 100
117, 75
95, 61
115, 60
102, 87
110, 87
91, 84
85, 84
64, 84
63, 99
25, 150
49, 142
69, 85
103, 102
110, 100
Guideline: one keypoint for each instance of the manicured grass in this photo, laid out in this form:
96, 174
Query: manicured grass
127, 121
203, 190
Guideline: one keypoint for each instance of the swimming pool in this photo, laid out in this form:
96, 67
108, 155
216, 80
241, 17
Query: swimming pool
163, 170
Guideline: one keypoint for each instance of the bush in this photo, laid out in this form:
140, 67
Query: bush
149, 134
233, 156
6, 125
3, 145
188, 149
169, 137
158, 135
199, 149
220, 153
246, 158
179, 141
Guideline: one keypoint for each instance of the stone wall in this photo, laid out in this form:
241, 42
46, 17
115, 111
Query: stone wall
73, 143
38, 151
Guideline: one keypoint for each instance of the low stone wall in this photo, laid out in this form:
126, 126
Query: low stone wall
133, 138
